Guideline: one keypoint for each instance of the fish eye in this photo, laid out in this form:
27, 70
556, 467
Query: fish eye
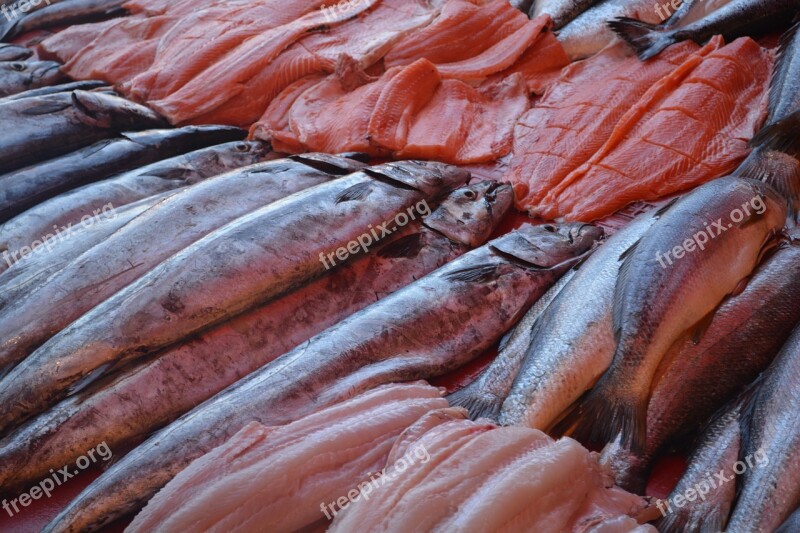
19, 67
549, 227
470, 194
242, 147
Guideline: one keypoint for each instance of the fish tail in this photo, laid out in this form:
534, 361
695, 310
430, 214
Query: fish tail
478, 404
688, 519
603, 415
782, 136
646, 39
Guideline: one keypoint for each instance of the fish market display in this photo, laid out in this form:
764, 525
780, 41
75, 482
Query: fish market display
353, 439
132, 406
480, 477
437, 324
19, 76
25, 188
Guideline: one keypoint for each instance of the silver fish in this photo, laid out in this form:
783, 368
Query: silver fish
20, 76
572, 342
124, 410
770, 492
738, 220
561, 11
792, 524
61, 13
221, 275
89, 85
12, 52
689, 11
426, 329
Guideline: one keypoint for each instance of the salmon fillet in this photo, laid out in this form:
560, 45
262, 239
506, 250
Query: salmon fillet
485, 478
675, 138
66, 44
285, 478
540, 65
577, 115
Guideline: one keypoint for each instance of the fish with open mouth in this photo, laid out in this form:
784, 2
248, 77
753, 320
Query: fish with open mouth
125, 409
426, 329
691, 278
226, 272
31, 186
56, 124
20, 76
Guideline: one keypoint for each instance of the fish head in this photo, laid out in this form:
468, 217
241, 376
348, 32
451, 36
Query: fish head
549, 245
226, 157
470, 214
44, 72
429, 177
112, 112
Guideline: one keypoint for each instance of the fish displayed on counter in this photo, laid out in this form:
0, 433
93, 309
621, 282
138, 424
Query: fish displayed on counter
670, 257
689, 11
734, 19
20, 76
423, 330
769, 492
480, 477
791, 524
698, 375
572, 343
90, 85
329, 454
25, 188
57, 13
12, 52
49, 126
561, 11
223, 274
113, 193
133, 406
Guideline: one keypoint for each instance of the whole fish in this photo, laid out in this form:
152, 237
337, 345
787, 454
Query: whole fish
670, 281
572, 342
25, 188
20, 76
710, 476
426, 329
734, 19
12, 52
223, 274
770, 492
89, 85
64, 13
142, 245
53, 125
791, 525
774, 158
689, 11
61, 213
483, 397
561, 11
124, 410
589, 33
698, 376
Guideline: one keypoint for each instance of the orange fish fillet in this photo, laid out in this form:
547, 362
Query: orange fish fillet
66, 44
674, 139
540, 65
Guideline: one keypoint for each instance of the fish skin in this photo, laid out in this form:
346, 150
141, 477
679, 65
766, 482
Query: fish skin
142, 244
12, 52
522, 5
56, 124
20, 76
226, 272
791, 525
784, 95
484, 396
588, 33
697, 378
647, 322
436, 324
717, 452
124, 410
768, 494
734, 19
32, 185
63, 13
129, 187
573, 343
561, 11
89, 85
691, 11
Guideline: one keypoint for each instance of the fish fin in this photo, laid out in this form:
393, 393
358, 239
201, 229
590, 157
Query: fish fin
478, 405
781, 136
779, 72
777, 169
177, 174
664, 208
473, 274
336, 165
90, 378
408, 246
618, 304
687, 519
645, 38
603, 415
359, 191
46, 108
361, 157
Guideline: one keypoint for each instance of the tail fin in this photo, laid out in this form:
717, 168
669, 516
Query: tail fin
478, 404
603, 415
646, 39
690, 519
782, 136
